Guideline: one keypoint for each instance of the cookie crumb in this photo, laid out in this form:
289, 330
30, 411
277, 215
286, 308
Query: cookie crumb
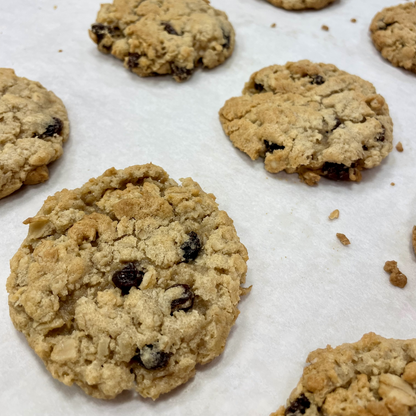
414, 238
399, 147
55, 7
353, 20
273, 25
60, 50
397, 278
392, 184
325, 27
334, 215
344, 240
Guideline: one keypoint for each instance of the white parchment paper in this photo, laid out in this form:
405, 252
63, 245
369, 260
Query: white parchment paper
308, 289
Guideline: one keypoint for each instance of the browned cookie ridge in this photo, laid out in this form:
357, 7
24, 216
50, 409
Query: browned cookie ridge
128, 282
159, 37
312, 119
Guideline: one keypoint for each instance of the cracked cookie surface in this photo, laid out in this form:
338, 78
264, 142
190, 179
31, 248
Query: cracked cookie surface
159, 37
33, 127
393, 33
312, 119
128, 282
301, 4
372, 377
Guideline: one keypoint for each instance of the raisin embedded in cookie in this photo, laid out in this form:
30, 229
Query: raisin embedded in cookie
374, 377
312, 119
158, 37
128, 282
300, 4
33, 127
393, 34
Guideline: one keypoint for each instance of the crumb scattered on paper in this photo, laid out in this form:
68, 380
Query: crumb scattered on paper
325, 27
55, 7
60, 50
399, 147
397, 278
414, 238
354, 20
392, 184
273, 25
334, 215
343, 238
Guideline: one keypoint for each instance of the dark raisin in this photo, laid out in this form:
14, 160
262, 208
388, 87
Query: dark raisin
185, 301
169, 28
133, 60
258, 87
365, 147
54, 128
336, 171
381, 136
271, 147
317, 80
191, 247
338, 122
227, 40
181, 73
127, 278
100, 31
300, 405
151, 358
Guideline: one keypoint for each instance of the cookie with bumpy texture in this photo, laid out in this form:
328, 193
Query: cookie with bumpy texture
128, 282
312, 119
372, 377
33, 127
301, 4
158, 37
393, 34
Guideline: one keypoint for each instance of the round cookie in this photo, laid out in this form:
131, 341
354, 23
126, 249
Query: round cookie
128, 282
393, 34
301, 4
312, 119
158, 37
33, 127
372, 377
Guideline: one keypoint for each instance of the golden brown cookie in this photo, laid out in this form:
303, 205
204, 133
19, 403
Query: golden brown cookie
372, 377
159, 37
393, 33
312, 119
128, 282
33, 127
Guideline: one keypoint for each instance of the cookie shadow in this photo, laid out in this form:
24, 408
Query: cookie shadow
381, 61
369, 176
22, 194
158, 81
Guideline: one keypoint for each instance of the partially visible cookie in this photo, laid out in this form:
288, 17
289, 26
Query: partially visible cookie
159, 37
312, 119
128, 282
33, 127
393, 33
301, 4
372, 377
